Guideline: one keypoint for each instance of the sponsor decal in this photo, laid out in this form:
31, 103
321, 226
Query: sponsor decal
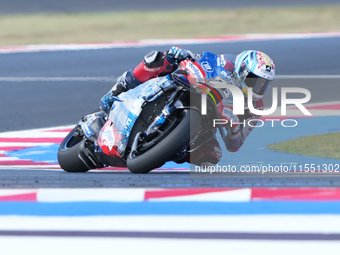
263, 59
268, 69
225, 74
86, 128
227, 112
109, 137
152, 69
195, 70
207, 67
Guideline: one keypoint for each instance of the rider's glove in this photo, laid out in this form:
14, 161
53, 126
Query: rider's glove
234, 139
227, 114
107, 101
176, 55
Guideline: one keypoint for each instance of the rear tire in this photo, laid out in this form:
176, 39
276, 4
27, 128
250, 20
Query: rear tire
168, 146
68, 153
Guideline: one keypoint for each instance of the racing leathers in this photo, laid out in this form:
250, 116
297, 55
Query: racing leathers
157, 63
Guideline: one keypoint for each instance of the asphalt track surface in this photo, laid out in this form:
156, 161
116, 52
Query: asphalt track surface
36, 104
10, 178
76, 6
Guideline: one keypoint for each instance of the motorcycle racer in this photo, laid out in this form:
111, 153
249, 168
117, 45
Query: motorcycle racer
251, 69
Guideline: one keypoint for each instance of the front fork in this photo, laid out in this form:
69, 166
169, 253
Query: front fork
167, 112
169, 109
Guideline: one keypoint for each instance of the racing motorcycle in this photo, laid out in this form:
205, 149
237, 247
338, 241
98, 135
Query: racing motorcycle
158, 121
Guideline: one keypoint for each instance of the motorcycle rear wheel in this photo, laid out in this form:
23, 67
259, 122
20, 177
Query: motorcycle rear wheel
188, 124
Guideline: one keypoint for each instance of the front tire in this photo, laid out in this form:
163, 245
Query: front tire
169, 146
68, 153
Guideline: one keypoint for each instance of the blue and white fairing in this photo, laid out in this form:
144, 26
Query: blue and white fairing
213, 66
124, 114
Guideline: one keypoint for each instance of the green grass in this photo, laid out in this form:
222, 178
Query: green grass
114, 26
321, 146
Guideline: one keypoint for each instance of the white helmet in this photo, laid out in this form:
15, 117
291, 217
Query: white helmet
256, 70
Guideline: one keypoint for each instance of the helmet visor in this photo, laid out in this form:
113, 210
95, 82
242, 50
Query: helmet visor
259, 85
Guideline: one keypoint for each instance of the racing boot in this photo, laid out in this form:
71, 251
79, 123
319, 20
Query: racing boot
107, 100
124, 83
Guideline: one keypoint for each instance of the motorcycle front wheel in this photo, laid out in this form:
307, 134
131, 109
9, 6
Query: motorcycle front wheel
183, 128
68, 153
